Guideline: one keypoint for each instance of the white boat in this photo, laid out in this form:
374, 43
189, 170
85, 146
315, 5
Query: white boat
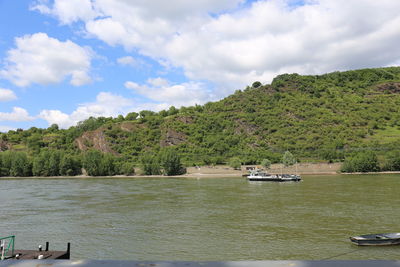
258, 175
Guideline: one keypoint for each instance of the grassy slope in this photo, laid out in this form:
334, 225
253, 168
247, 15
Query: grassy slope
315, 117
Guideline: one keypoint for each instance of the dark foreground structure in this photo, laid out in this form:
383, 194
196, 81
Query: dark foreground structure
8, 252
95, 263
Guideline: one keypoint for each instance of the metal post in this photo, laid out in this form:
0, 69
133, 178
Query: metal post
69, 250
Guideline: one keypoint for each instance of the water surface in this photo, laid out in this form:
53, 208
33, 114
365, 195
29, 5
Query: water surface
203, 219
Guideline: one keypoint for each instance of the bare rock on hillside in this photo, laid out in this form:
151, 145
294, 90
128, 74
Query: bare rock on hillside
171, 137
4, 145
130, 126
94, 139
391, 87
243, 127
185, 119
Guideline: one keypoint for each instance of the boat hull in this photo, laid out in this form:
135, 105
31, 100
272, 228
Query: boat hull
262, 176
388, 239
260, 179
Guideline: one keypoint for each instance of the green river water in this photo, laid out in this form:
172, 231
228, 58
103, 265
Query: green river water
203, 219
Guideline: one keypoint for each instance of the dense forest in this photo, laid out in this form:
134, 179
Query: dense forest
351, 116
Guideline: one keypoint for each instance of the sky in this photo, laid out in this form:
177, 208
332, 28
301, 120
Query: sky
62, 61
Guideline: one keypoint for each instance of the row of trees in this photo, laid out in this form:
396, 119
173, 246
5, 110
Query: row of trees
368, 161
167, 162
93, 163
365, 161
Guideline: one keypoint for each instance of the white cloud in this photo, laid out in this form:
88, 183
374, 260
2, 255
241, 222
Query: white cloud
67, 11
7, 95
111, 105
230, 46
41, 59
160, 90
106, 105
4, 129
18, 114
128, 60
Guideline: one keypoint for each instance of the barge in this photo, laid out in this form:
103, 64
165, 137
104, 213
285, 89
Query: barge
258, 175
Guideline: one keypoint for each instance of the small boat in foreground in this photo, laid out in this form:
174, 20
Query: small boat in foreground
376, 239
258, 175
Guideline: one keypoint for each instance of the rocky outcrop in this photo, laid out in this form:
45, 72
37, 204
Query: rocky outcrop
185, 119
95, 140
4, 145
243, 127
171, 137
391, 87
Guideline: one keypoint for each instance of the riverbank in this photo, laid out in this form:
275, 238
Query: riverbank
223, 171
226, 171
301, 168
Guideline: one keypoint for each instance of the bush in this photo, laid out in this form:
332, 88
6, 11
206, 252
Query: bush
392, 161
235, 163
361, 162
288, 159
266, 163
150, 164
171, 163
127, 168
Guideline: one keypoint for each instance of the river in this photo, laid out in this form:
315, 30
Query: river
203, 219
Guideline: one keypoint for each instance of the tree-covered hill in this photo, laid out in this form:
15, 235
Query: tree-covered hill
316, 117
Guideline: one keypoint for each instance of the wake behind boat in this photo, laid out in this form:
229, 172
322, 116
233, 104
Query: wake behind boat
258, 175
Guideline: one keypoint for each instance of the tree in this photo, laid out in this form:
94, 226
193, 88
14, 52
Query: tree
20, 165
256, 84
171, 162
392, 161
6, 162
53, 128
288, 159
150, 164
266, 163
361, 162
69, 165
127, 168
108, 165
54, 163
131, 116
40, 164
92, 162
235, 163
172, 111
35, 142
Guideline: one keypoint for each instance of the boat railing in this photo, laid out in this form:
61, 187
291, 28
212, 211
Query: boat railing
7, 247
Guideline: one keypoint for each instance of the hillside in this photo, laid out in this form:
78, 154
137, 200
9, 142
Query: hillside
319, 117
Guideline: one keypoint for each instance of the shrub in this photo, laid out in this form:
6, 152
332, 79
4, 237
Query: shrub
235, 163
266, 163
361, 162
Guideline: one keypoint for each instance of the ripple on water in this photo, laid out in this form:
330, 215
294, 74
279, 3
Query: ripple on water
205, 219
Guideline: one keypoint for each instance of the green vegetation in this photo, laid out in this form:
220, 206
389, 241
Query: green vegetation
171, 162
361, 162
288, 159
150, 164
235, 163
330, 117
266, 163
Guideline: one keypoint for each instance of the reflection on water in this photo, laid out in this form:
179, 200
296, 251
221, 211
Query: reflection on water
203, 219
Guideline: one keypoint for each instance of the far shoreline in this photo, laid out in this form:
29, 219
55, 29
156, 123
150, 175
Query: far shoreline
223, 171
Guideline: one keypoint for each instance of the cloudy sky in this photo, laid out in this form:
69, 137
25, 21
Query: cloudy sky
62, 61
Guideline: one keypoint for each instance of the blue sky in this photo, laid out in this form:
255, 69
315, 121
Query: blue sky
62, 61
